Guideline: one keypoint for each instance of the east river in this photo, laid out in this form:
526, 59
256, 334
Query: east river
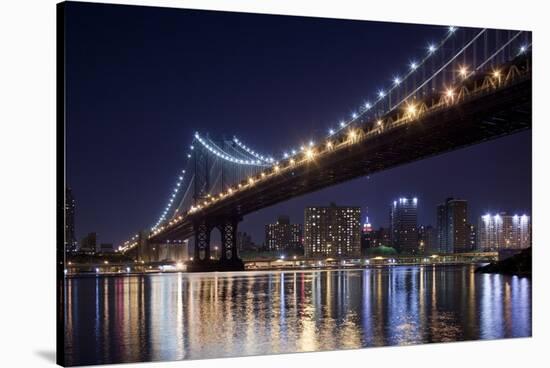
115, 319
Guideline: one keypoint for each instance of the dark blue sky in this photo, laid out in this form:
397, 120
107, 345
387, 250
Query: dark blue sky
142, 80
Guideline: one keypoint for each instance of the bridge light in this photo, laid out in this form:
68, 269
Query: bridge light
496, 74
263, 174
367, 105
188, 155
352, 135
463, 71
292, 161
381, 94
331, 131
310, 154
452, 29
396, 81
522, 49
342, 124
431, 48
285, 155
413, 65
311, 143
251, 181
293, 152
379, 122
329, 144
354, 116
276, 168
411, 110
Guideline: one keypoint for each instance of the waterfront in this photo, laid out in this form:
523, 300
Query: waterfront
112, 319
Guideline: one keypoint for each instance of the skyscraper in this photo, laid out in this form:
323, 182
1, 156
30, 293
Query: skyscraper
473, 237
332, 231
403, 225
70, 239
427, 243
367, 237
502, 231
89, 243
284, 236
452, 228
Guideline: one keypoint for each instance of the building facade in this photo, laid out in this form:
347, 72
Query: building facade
427, 240
89, 243
503, 231
244, 242
453, 235
367, 237
403, 225
332, 231
283, 236
473, 237
70, 240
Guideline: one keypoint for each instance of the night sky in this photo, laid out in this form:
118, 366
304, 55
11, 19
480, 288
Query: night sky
142, 80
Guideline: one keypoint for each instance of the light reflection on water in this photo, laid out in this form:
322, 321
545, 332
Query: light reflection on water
192, 316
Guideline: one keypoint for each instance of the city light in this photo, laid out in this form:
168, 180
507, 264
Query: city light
310, 154
449, 93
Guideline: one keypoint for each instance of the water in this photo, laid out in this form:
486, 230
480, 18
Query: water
193, 316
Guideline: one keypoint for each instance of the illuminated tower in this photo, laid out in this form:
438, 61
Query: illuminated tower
403, 225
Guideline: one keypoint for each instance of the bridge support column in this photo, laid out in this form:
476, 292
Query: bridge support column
229, 260
228, 229
202, 241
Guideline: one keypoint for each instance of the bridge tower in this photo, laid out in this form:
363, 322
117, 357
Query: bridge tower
204, 185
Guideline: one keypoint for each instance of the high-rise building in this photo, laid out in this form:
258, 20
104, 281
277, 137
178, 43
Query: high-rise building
332, 231
284, 236
452, 228
381, 238
403, 225
244, 242
89, 243
472, 246
427, 243
367, 237
502, 231
70, 239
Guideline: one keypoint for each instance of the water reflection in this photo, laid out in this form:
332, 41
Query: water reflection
190, 316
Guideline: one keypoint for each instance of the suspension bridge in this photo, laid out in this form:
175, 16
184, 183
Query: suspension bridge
472, 86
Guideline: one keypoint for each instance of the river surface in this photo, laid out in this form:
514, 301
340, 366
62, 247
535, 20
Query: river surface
192, 316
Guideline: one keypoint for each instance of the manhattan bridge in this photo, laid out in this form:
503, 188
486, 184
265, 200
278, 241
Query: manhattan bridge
472, 86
